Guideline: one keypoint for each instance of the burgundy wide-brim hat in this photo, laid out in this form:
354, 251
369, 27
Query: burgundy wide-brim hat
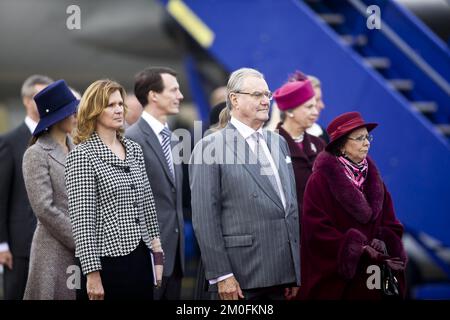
344, 124
293, 94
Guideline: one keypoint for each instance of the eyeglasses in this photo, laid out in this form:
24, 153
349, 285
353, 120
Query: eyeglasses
369, 137
258, 95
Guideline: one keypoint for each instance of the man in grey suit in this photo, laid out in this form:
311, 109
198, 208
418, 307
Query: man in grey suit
244, 207
17, 220
158, 91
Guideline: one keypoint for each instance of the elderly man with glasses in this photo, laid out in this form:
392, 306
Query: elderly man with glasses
244, 205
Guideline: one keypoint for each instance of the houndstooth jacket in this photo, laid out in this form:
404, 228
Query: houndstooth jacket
111, 204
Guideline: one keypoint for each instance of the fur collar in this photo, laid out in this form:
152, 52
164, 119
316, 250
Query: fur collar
363, 207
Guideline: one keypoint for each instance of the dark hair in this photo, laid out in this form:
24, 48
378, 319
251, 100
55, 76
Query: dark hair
35, 138
150, 80
337, 146
215, 112
224, 118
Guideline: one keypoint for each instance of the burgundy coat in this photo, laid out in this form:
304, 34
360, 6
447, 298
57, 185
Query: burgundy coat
337, 221
302, 160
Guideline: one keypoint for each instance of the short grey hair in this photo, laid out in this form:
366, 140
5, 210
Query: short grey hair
28, 85
236, 79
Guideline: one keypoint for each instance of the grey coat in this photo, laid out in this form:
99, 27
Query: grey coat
53, 247
239, 221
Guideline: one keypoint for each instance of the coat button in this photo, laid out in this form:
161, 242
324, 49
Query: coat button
126, 169
132, 186
176, 230
173, 190
255, 195
137, 220
135, 204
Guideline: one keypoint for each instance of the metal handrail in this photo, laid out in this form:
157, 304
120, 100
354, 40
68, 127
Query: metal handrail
406, 49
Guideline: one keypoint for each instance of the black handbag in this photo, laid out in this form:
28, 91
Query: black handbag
389, 283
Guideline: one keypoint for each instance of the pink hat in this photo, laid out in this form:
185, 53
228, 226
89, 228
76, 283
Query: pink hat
293, 94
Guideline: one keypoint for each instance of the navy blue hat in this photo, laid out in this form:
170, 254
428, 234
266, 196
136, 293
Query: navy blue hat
55, 103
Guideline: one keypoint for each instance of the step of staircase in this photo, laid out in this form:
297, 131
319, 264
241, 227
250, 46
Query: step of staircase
378, 62
427, 107
333, 19
401, 84
444, 129
351, 40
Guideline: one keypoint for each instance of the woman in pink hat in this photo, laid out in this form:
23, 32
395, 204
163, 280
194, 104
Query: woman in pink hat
296, 101
349, 231
315, 130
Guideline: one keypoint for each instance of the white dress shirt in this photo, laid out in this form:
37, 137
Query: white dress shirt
31, 124
157, 127
250, 137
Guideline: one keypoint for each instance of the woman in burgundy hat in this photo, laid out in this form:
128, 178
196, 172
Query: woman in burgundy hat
348, 221
297, 103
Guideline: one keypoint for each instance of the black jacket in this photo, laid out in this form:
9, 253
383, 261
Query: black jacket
17, 220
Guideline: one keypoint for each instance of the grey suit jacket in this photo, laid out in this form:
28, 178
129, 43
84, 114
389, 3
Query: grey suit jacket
166, 191
53, 247
238, 218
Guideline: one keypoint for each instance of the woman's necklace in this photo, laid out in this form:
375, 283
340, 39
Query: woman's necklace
299, 139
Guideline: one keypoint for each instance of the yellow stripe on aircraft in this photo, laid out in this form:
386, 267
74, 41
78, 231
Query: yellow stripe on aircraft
191, 22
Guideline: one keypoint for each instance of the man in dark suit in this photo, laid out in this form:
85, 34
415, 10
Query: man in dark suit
17, 220
158, 91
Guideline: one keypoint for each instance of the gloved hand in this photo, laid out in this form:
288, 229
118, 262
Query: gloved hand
395, 264
374, 254
378, 245
158, 256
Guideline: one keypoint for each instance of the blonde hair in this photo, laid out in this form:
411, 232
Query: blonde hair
224, 118
314, 81
94, 100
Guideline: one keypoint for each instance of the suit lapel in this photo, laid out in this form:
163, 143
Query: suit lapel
153, 141
54, 150
237, 144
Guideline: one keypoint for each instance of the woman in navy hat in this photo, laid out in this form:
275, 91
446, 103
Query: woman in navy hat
53, 248
111, 203
297, 103
348, 221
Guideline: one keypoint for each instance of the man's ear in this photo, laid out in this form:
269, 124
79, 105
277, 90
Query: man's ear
26, 101
233, 99
151, 96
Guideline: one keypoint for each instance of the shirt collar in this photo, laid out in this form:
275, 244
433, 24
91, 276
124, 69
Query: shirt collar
31, 124
244, 129
156, 126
